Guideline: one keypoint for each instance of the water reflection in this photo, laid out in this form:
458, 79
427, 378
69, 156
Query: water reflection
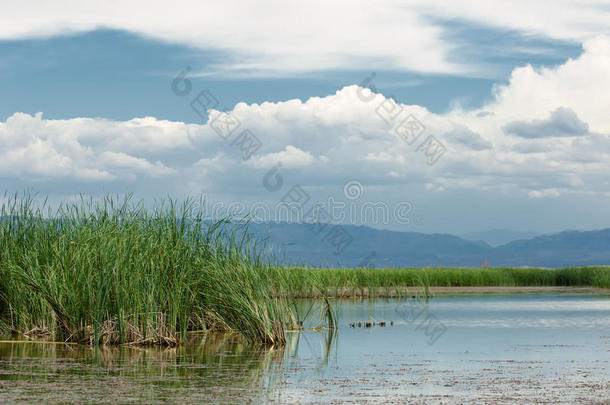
493, 345
206, 367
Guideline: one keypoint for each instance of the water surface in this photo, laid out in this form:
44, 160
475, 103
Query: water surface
461, 349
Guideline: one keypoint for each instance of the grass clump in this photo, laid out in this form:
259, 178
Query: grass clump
114, 272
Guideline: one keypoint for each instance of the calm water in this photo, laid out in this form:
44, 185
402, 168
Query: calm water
482, 349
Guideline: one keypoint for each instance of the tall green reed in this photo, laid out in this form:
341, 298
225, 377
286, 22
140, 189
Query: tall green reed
112, 271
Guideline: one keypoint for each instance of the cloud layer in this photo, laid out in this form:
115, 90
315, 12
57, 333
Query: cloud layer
294, 37
544, 134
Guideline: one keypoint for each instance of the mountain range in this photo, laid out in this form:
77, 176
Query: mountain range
321, 245
497, 237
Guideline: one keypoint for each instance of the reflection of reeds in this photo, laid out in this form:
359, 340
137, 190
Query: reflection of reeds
218, 364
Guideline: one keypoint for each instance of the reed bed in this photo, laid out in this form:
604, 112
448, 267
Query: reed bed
114, 272
309, 281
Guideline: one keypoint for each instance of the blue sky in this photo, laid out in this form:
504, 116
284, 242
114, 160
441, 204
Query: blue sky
121, 75
515, 94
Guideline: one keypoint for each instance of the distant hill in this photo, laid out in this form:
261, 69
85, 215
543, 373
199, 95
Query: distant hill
497, 237
311, 245
298, 244
568, 248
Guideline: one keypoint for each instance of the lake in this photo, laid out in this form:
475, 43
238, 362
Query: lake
451, 349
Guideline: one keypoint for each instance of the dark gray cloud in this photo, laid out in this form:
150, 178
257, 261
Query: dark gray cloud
563, 122
464, 136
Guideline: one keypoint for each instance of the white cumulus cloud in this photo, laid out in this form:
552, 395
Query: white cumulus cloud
506, 145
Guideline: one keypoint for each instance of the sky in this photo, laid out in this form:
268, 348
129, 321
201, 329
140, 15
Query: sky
421, 116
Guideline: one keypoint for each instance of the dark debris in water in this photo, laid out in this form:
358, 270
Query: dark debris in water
370, 324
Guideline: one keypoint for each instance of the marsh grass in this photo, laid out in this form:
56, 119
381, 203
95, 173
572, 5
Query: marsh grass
381, 280
112, 271
116, 272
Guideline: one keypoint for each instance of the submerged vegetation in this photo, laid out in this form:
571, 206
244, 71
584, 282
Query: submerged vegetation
116, 272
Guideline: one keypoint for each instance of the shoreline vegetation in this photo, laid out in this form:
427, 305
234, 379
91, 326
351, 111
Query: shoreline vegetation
391, 282
116, 272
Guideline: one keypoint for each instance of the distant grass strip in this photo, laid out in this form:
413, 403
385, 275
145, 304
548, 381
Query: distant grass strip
305, 280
